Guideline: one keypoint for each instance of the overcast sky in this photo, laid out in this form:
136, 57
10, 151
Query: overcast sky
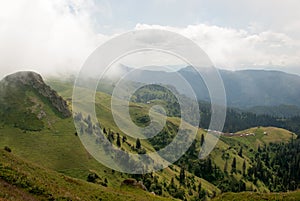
58, 35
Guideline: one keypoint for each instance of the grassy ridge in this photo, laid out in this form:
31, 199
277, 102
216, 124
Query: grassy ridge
227, 147
26, 181
57, 147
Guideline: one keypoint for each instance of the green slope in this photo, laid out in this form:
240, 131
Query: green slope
250, 196
229, 147
56, 146
226, 149
22, 180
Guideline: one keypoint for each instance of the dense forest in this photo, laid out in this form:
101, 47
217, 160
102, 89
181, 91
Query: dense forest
277, 166
236, 119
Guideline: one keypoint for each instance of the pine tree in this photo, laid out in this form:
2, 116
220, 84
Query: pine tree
182, 176
233, 166
202, 140
241, 152
172, 183
138, 143
199, 187
201, 192
244, 168
118, 140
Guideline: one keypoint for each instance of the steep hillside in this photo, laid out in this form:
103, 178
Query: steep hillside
56, 144
24, 101
32, 126
30, 80
21, 180
227, 150
232, 166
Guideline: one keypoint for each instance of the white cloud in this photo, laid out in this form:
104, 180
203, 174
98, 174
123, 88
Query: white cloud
47, 35
58, 35
237, 49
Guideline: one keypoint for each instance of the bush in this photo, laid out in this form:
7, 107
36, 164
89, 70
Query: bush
6, 148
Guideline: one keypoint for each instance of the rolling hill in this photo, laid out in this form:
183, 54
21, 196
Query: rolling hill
227, 149
64, 166
55, 144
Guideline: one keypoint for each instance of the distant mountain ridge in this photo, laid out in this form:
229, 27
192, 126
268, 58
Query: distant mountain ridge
244, 88
249, 88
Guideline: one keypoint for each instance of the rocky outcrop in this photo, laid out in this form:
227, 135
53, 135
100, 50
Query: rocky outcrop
34, 80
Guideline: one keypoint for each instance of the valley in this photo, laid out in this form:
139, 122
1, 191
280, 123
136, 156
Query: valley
48, 160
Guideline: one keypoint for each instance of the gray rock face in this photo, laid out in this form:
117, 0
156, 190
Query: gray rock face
34, 80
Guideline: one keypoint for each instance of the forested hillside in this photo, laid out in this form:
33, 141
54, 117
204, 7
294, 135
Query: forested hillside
260, 159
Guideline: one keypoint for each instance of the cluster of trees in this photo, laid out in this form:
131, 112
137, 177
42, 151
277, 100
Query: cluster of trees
112, 137
178, 187
236, 119
275, 165
152, 92
278, 166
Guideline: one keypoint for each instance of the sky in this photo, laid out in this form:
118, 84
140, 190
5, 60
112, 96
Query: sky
57, 36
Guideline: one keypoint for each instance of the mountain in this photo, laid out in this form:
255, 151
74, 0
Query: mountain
26, 80
243, 146
24, 99
244, 88
249, 88
38, 133
51, 141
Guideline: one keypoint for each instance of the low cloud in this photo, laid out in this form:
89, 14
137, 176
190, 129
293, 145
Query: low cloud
239, 49
46, 36
51, 36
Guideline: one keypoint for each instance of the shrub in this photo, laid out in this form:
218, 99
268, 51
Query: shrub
6, 148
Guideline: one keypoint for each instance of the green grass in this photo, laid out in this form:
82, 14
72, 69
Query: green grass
227, 145
250, 196
232, 145
28, 181
56, 147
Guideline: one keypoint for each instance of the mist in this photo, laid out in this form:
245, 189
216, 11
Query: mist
55, 37
46, 36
